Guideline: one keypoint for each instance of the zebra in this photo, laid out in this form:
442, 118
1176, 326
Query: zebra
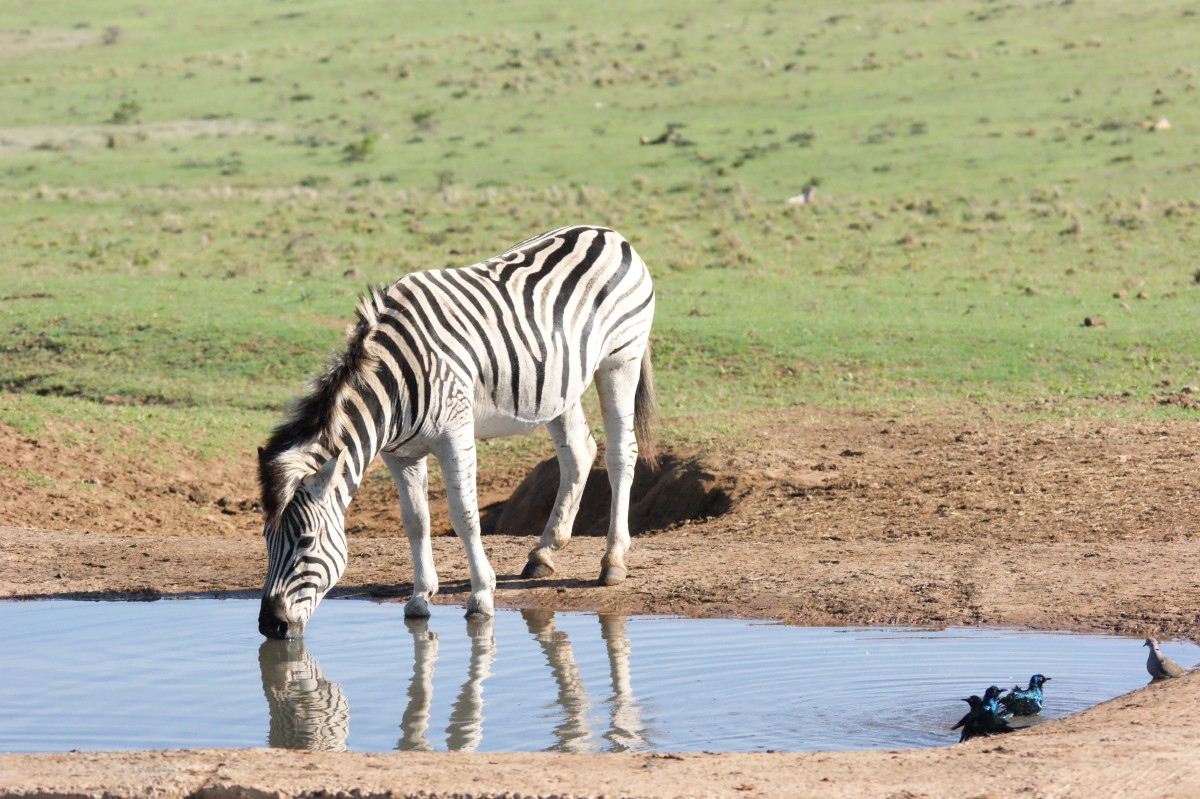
442, 357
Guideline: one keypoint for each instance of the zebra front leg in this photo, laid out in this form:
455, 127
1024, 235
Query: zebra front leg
576, 451
455, 452
412, 484
616, 387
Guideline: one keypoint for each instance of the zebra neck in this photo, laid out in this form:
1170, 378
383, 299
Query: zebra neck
361, 438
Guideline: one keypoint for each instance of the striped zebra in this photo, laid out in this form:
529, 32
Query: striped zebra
438, 359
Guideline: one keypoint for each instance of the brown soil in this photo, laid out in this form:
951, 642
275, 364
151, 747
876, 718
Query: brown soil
818, 519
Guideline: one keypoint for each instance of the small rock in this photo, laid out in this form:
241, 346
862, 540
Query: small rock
1141, 295
1119, 294
1091, 321
199, 497
1030, 291
1190, 390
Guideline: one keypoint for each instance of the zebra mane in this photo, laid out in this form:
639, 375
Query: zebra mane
318, 417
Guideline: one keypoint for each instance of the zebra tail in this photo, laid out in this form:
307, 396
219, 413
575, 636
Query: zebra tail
645, 413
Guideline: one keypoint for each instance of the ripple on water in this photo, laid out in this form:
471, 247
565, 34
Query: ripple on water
122, 675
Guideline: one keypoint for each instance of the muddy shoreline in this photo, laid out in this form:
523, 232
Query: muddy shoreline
1057, 525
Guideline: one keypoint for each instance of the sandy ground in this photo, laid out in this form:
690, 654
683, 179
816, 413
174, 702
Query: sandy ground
824, 519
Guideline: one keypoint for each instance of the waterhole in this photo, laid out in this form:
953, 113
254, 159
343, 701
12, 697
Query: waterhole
195, 673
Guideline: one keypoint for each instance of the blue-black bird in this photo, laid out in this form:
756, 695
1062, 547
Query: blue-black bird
1025, 701
983, 718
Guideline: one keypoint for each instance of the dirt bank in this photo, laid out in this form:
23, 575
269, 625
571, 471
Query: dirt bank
824, 519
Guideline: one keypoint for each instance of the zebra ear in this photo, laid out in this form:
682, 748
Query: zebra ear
321, 482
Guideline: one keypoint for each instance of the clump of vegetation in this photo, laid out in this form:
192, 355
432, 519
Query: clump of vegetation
127, 112
424, 119
360, 149
230, 164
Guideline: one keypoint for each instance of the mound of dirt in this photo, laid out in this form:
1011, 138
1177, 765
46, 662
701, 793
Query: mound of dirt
677, 489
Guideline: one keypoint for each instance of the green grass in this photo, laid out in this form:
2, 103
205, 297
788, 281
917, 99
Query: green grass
193, 195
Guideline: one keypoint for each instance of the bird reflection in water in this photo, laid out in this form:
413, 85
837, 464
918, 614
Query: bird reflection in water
309, 711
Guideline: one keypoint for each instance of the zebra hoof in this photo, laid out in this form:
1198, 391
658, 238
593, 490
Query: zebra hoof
480, 604
612, 575
416, 608
533, 571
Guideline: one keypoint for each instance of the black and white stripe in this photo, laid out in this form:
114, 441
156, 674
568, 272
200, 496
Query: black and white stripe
306, 710
443, 356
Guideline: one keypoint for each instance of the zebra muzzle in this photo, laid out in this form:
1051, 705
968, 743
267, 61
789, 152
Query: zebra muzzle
273, 620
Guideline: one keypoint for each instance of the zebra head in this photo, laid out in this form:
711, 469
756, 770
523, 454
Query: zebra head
306, 545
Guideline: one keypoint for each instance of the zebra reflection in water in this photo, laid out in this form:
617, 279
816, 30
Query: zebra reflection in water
465, 729
573, 734
310, 712
307, 711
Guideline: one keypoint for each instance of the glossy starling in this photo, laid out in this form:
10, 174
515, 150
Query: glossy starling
1027, 701
983, 718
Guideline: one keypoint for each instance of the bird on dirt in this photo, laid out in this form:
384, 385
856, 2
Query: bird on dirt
1159, 665
983, 718
1025, 701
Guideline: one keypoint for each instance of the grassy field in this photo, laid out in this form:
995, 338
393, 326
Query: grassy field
194, 194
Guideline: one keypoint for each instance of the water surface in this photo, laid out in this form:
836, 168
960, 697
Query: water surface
195, 673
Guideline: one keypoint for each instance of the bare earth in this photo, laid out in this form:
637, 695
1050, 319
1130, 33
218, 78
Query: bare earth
824, 519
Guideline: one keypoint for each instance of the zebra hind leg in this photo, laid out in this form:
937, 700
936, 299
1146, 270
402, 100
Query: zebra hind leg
576, 451
617, 386
412, 484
